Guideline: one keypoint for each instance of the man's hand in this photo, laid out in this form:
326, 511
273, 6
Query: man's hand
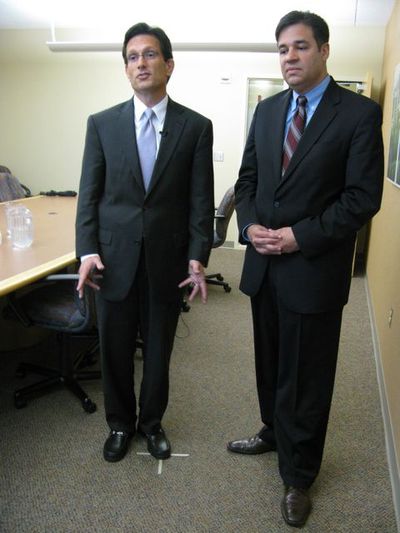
272, 242
288, 241
196, 280
86, 271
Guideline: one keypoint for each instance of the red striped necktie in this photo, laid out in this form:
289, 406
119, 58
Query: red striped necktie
295, 132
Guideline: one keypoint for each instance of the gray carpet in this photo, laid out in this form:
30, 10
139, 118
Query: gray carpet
53, 477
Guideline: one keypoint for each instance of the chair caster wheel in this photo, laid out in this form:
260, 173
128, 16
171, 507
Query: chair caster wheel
89, 406
219, 277
227, 289
20, 402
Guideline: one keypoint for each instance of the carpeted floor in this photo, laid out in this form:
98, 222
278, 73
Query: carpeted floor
53, 477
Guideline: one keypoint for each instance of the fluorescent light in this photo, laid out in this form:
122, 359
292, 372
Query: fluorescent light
76, 46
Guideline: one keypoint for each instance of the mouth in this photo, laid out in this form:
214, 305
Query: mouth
143, 76
292, 70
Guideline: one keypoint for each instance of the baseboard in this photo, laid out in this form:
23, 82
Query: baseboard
394, 469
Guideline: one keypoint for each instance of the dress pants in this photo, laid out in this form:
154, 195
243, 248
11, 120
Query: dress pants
119, 323
295, 356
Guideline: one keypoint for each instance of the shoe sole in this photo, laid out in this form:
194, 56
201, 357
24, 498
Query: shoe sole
293, 523
165, 455
246, 452
113, 458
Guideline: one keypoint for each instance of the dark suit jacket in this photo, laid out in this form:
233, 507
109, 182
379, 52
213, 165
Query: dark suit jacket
173, 220
332, 186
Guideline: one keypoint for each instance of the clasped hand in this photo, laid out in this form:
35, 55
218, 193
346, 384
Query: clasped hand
272, 242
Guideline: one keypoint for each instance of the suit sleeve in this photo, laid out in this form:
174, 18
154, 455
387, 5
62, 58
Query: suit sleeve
246, 185
201, 218
361, 194
90, 191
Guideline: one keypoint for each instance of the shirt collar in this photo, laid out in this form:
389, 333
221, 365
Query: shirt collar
159, 109
314, 96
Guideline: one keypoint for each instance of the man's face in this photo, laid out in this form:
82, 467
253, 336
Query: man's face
303, 64
146, 68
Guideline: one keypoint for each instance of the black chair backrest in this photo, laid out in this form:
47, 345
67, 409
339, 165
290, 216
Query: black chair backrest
10, 188
223, 215
53, 303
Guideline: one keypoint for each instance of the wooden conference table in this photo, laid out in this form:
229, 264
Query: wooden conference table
53, 246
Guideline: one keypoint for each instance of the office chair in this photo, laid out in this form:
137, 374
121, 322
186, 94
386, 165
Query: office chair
222, 217
53, 303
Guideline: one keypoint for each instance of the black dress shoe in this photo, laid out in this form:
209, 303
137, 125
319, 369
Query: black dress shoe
116, 446
295, 506
158, 444
251, 446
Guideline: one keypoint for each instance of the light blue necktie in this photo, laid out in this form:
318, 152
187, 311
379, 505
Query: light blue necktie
147, 146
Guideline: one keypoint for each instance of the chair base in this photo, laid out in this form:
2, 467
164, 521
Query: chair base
217, 279
67, 377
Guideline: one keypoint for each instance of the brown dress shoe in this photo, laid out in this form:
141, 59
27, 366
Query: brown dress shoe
250, 446
295, 506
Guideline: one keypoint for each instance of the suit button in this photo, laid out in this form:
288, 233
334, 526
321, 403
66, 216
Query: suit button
277, 204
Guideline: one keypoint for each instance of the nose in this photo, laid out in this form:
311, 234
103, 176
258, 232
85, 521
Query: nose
291, 54
141, 60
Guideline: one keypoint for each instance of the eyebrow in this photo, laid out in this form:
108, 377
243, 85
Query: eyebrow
299, 41
145, 49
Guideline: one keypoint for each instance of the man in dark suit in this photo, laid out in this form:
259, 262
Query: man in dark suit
299, 208
144, 220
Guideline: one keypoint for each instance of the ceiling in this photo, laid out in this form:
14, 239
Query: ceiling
213, 21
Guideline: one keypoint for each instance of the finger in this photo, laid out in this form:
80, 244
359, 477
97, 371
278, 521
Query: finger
92, 284
204, 293
185, 282
193, 293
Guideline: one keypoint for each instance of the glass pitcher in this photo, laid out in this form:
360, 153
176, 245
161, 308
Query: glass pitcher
20, 226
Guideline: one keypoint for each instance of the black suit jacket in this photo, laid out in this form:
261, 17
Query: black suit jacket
332, 186
173, 220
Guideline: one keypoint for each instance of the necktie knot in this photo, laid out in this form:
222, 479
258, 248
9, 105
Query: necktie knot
301, 101
148, 113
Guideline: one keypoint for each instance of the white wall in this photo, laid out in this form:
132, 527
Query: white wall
45, 99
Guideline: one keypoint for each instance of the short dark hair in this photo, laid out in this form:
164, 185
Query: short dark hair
315, 22
144, 29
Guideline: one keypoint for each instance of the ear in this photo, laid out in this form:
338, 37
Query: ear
170, 66
325, 51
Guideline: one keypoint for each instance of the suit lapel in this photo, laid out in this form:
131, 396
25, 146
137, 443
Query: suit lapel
278, 133
323, 116
127, 139
173, 127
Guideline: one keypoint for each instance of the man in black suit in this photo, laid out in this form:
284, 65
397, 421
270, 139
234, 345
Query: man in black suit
300, 227
139, 231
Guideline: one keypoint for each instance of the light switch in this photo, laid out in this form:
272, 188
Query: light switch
218, 156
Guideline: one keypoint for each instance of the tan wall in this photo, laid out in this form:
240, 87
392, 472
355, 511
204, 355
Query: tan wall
383, 267
45, 99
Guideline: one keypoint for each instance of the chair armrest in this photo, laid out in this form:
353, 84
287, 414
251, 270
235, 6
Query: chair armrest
61, 277
66, 277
